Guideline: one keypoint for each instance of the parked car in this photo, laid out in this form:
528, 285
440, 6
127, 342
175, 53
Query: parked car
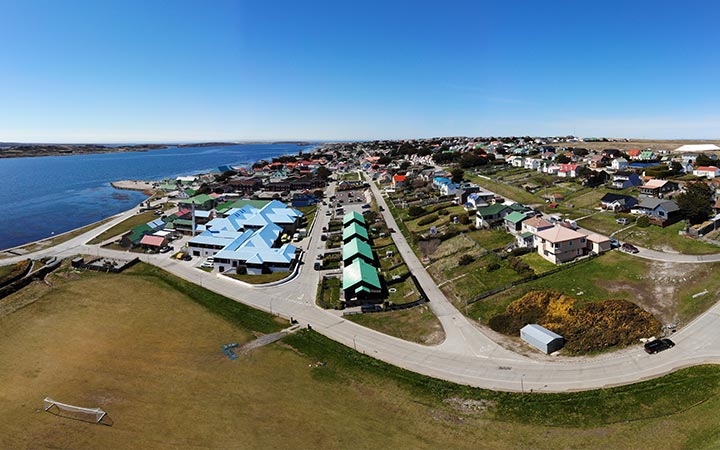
629, 248
622, 220
614, 243
165, 249
658, 345
320, 256
318, 266
366, 206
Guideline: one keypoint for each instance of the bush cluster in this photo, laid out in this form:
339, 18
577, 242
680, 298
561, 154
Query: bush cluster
520, 267
593, 327
430, 218
465, 260
492, 267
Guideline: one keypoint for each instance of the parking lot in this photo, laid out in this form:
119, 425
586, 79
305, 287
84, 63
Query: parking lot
350, 197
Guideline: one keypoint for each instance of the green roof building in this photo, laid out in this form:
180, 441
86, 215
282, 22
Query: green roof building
353, 216
361, 283
202, 201
357, 249
354, 230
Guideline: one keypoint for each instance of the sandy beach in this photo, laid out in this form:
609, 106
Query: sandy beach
134, 185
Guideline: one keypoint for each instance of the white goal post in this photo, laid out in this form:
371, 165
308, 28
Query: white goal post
97, 412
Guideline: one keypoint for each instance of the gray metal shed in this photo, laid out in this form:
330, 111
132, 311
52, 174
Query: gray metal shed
541, 338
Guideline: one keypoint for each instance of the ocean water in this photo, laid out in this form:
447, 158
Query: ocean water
50, 195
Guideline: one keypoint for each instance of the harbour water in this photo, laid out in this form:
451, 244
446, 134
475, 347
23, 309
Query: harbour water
50, 195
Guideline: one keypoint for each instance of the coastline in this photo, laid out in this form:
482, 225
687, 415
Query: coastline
9, 251
144, 186
18, 150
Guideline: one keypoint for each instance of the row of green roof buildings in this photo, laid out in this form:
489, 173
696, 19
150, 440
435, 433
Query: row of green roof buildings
361, 281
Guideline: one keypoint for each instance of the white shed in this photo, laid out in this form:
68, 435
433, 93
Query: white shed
541, 338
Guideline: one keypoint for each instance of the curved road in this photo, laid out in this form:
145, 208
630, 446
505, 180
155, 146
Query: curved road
467, 355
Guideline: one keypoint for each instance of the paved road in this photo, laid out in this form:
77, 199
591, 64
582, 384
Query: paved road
466, 356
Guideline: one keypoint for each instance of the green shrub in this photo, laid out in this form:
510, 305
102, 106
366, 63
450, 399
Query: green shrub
493, 267
593, 327
643, 221
428, 219
416, 211
465, 260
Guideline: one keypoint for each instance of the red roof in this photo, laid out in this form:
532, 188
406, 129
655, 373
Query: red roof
399, 178
634, 152
707, 168
155, 241
568, 167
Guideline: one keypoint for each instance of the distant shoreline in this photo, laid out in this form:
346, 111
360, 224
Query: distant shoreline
21, 150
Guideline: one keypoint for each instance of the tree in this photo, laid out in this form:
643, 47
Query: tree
562, 159
384, 160
457, 175
404, 165
704, 160
415, 211
696, 202
323, 172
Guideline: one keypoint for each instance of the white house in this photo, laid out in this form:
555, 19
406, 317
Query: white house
707, 172
619, 164
532, 164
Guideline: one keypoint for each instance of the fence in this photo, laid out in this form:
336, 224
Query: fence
11, 280
497, 290
21, 283
108, 268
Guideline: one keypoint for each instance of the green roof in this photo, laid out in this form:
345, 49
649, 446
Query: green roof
168, 187
190, 192
519, 207
355, 247
360, 272
353, 215
354, 229
138, 232
515, 217
491, 210
198, 199
183, 222
526, 235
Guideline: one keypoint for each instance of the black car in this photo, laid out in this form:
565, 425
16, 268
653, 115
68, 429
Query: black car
658, 345
629, 248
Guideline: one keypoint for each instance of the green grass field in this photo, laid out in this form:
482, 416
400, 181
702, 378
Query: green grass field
417, 324
124, 226
145, 346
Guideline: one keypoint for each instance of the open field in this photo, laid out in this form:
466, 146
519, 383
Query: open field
145, 347
664, 289
667, 239
640, 144
417, 324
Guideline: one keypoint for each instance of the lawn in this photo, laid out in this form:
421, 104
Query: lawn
588, 281
404, 292
664, 239
603, 223
309, 213
259, 279
124, 226
328, 293
145, 346
417, 324
510, 191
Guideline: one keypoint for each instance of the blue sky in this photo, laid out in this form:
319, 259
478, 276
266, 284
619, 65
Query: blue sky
132, 71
